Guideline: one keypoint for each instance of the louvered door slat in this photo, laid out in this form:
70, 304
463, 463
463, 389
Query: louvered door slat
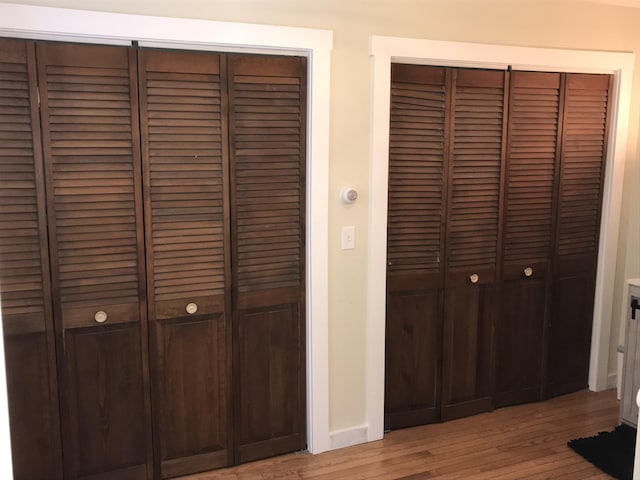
417, 190
267, 122
21, 263
472, 241
582, 167
25, 288
91, 147
531, 168
268, 180
86, 183
416, 160
184, 157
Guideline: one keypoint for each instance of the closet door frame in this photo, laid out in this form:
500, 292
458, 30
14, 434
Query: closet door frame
387, 50
23, 21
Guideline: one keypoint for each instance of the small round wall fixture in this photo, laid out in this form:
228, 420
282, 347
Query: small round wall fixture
348, 195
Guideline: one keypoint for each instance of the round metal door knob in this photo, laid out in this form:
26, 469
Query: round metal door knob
100, 316
192, 308
474, 278
528, 272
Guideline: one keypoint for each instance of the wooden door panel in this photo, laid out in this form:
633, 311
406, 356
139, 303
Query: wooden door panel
185, 166
190, 395
267, 145
33, 419
24, 272
519, 351
412, 369
569, 334
105, 434
92, 163
469, 312
271, 358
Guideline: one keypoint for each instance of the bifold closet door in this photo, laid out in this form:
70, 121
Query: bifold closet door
583, 155
24, 273
92, 169
473, 243
415, 244
443, 242
267, 140
532, 158
184, 138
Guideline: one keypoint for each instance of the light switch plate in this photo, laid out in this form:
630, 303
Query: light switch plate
348, 238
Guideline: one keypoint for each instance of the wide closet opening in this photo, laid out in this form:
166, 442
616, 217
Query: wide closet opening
152, 258
494, 201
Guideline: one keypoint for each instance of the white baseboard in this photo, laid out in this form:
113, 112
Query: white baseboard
348, 437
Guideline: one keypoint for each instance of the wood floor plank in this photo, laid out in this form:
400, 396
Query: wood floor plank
523, 442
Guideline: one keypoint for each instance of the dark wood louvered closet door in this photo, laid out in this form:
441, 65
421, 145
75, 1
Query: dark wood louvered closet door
267, 124
92, 163
185, 172
585, 135
472, 239
24, 273
532, 157
509, 315
417, 163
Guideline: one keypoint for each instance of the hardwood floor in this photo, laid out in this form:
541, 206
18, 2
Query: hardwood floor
523, 442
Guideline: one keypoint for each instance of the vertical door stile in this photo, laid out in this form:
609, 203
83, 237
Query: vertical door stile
446, 174
149, 271
230, 215
450, 89
548, 327
228, 264
446, 339
143, 303
502, 207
